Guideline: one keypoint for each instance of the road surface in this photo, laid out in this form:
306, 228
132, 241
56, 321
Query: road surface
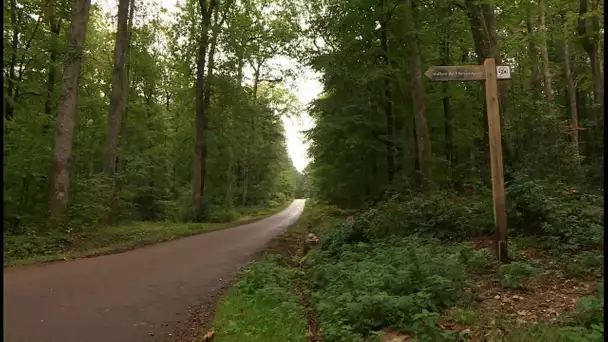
140, 295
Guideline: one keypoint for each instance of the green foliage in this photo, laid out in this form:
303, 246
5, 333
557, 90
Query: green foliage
465, 316
574, 220
396, 283
590, 309
439, 215
586, 264
72, 243
476, 260
262, 306
247, 162
513, 274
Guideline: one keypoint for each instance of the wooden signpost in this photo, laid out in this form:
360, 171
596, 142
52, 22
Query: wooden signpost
490, 73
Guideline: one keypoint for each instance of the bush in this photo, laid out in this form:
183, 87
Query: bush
388, 283
590, 309
267, 274
475, 260
440, 215
588, 263
35, 244
574, 220
511, 275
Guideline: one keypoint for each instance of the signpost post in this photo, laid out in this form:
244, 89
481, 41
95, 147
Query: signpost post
490, 73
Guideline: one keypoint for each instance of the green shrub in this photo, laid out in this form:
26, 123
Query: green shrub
35, 244
390, 283
586, 264
511, 275
590, 309
574, 220
475, 259
267, 275
439, 215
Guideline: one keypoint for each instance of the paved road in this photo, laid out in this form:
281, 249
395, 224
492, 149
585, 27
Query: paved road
140, 295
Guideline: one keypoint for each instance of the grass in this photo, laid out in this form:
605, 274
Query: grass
262, 306
266, 303
27, 250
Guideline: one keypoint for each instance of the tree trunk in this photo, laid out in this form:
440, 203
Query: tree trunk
62, 152
388, 102
589, 32
543, 49
483, 28
444, 56
251, 133
9, 108
198, 175
422, 131
571, 95
533, 54
120, 160
117, 98
55, 26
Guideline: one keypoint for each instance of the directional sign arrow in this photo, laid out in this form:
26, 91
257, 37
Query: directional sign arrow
456, 73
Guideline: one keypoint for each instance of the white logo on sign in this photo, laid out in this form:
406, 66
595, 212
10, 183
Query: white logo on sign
503, 72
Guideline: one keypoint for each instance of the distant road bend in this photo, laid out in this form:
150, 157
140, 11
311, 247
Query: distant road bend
140, 295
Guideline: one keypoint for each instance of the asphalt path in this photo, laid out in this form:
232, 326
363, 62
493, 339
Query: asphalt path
140, 295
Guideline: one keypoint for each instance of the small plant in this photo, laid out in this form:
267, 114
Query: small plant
589, 263
511, 275
475, 259
465, 316
590, 309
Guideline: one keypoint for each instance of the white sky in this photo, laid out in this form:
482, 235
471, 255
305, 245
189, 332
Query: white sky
307, 88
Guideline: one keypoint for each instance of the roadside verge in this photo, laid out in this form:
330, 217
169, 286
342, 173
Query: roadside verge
28, 250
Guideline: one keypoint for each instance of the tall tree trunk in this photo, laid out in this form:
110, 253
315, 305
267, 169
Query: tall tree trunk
533, 55
120, 160
62, 152
198, 175
250, 135
422, 131
9, 107
589, 33
483, 28
545, 54
445, 59
55, 26
482, 19
387, 101
571, 94
117, 97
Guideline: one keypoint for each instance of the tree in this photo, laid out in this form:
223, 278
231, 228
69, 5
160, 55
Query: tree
422, 135
62, 153
201, 122
117, 99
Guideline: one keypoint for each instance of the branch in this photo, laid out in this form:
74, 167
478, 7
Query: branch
271, 80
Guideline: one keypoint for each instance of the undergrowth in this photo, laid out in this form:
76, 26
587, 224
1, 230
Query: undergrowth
262, 306
402, 265
35, 247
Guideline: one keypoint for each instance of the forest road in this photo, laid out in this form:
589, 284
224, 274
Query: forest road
140, 295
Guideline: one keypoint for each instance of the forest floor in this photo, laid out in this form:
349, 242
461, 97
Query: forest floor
20, 250
147, 294
458, 293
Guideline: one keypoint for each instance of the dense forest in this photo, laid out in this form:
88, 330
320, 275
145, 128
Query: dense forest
144, 115
383, 127
152, 124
